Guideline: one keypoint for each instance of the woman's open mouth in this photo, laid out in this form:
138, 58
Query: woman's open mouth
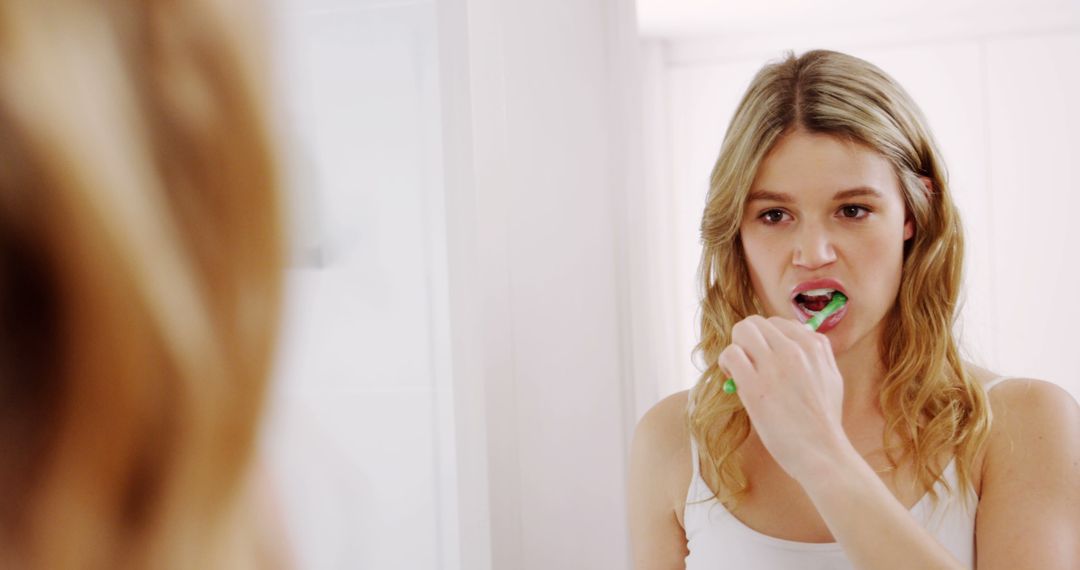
816, 299
812, 301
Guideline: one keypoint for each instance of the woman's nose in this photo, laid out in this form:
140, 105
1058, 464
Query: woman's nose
813, 248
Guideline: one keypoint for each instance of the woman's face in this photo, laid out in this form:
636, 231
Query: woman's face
824, 213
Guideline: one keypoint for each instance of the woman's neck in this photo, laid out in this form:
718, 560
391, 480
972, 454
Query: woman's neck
863, 372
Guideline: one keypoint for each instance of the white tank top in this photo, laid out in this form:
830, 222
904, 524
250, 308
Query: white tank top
716, 539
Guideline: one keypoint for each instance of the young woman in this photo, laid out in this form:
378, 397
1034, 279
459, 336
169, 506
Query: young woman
140, 276
868, 443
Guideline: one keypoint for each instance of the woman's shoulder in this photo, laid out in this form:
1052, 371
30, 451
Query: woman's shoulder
1022, 406
663, 428
660, 453
1021, 395
1030, 468
1034, 422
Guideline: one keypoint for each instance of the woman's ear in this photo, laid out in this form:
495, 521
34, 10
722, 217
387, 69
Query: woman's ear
909, 222
929, 184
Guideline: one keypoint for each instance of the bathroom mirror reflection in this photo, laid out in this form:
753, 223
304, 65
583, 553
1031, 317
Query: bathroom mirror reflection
498, 210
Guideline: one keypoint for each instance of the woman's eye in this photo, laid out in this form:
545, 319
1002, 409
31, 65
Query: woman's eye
771, 217
854, 212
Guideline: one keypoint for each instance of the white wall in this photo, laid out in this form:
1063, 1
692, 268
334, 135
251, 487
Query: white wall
455, 388
999, 92
536, 154
358, 439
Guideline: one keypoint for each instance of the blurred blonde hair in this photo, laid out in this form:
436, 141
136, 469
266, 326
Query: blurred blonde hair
930, 402
140, 281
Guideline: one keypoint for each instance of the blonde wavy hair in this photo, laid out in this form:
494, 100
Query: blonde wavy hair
141, 259
931, 404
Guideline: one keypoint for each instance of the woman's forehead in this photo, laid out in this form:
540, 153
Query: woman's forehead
804, 165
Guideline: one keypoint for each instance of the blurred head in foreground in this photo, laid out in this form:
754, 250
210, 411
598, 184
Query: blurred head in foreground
140, 277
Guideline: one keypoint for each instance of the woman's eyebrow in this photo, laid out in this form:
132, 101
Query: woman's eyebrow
770, 196
857, 192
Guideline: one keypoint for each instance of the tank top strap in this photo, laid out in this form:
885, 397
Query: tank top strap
695, 457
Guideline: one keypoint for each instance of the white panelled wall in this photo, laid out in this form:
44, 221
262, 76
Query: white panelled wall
454, 388
356, 439
538, 145
999, 92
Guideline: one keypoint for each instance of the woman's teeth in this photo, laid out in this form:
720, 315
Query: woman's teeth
815, 300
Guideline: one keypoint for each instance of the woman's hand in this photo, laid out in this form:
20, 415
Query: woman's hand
791, 388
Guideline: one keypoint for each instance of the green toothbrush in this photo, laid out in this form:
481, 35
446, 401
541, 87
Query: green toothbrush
815, 321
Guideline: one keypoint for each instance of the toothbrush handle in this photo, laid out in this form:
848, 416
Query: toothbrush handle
834, 305
729, 386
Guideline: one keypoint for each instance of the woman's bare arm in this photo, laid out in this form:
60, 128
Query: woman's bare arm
862, 514
657, 471
1029, 512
